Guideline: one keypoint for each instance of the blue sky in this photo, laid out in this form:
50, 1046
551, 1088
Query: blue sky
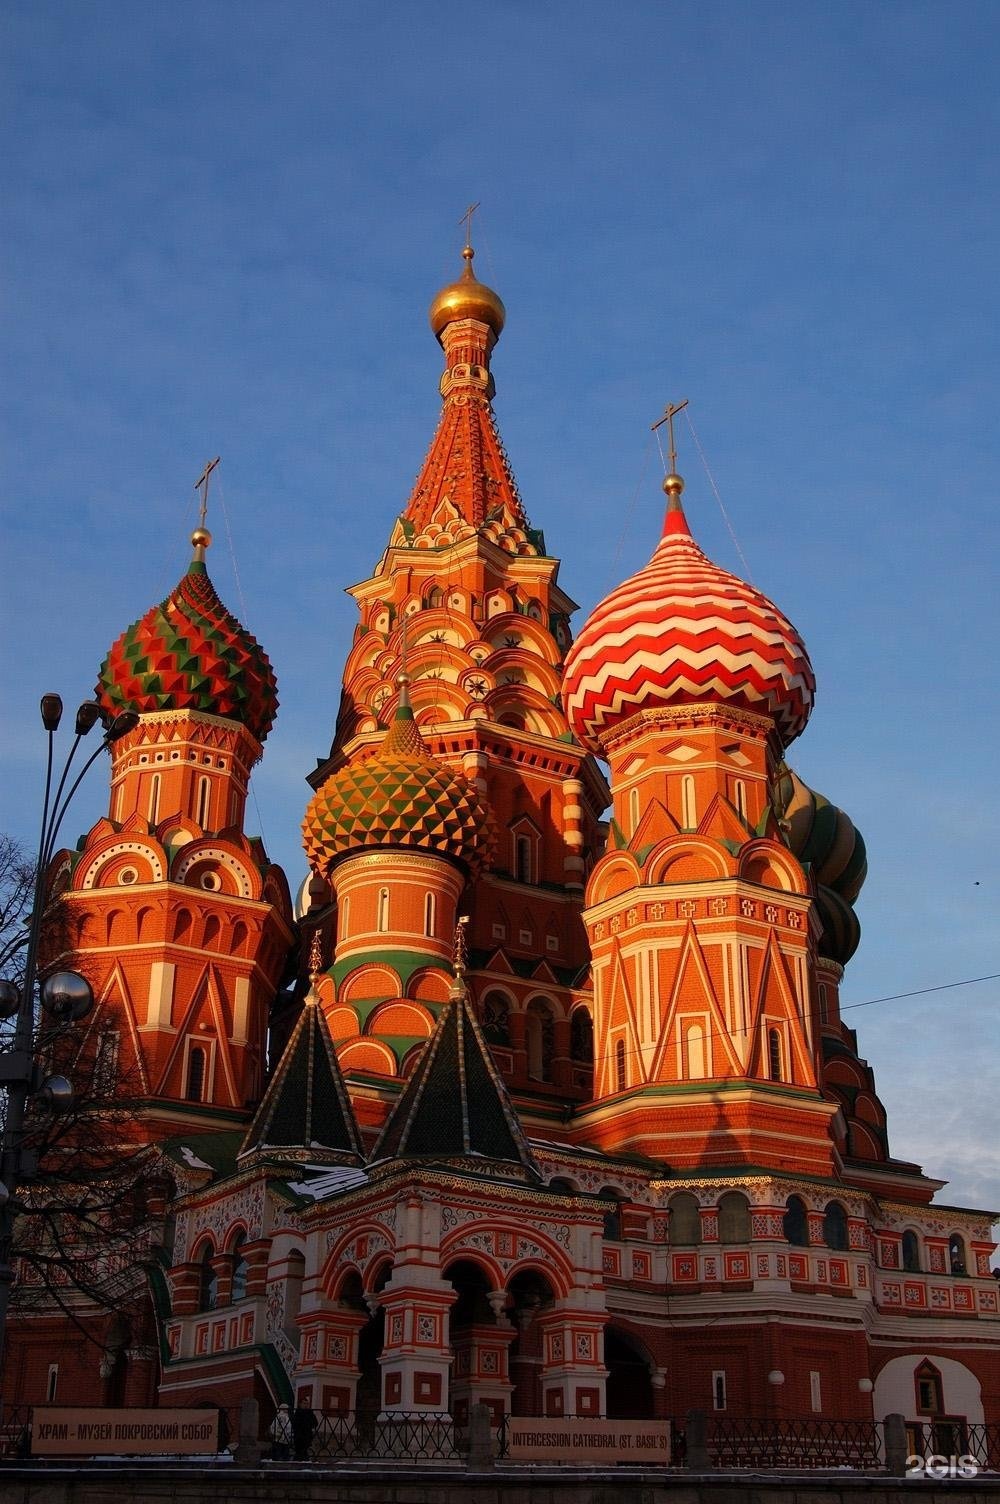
222, 226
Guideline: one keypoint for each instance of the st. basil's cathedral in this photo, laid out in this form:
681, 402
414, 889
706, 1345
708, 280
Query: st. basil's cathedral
520, 1103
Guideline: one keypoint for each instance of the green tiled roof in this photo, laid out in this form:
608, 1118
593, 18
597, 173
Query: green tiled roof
306, 1103
455, 1103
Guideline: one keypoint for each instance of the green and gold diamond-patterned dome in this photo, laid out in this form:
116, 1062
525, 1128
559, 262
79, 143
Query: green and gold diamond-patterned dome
190, 653
400, 796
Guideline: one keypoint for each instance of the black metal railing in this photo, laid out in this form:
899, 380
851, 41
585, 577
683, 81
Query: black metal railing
982, 1444
811, 1442
401, 1437
15, 1432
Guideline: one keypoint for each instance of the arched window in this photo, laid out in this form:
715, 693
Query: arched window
496, 1018
581, 1037
540, 1039
911, 1252
195, 1088
930, 1396
689, 810
633, 810
774, 1055
435, 596
241, 1268
956, 1254
795, 1223
835, 1226
621, 1079
154, 798
694, 1050
382, 923
208, 1282
204, 797
344, 917
734, 1218
613, 1216
295, 1266
430, 913
740, 790
685, 1220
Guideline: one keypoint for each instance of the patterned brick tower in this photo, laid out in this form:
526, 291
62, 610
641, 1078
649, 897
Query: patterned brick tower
176, 915
467, 591
701, 919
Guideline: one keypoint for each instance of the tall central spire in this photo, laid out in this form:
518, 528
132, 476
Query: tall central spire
466, 468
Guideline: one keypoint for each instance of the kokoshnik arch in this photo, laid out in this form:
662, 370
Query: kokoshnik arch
615, 1152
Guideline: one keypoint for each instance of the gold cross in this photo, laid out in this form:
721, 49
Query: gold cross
466, 220
673, 408
201, 484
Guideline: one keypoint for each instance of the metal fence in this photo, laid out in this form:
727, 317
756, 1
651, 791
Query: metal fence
812, 1442
401, 1437
15, 1432
982, 1444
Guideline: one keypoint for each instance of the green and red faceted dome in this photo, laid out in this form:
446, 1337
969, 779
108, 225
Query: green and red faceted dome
683, 631
190, 653
400, 796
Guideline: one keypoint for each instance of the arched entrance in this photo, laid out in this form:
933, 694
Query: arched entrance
630, 1387
478, 1344
530, 1294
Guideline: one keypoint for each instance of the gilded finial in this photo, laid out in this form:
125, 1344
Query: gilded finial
673, 484
460, 958
315, 957
201, 538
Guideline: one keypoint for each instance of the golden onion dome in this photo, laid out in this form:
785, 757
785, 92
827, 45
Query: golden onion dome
467, 299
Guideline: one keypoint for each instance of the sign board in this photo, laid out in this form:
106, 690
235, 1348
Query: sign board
587, 1441
58, 1431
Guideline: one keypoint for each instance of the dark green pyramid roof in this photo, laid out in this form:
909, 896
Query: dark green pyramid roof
306, 1105
455, 1103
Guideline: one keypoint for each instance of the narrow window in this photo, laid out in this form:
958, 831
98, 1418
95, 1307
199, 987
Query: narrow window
208, 1291
119, 801
204, 794
956, 1254
930, 1399
695, 1041
719, 1389
344, 917
613, 1216
795, 1222
685, 1221
195, 1074
633, 808
620, 1080
154, 798
911, 1252
382, 923
106, 1062
540, 1039
835, 1226
52, 1383
496, 1018
522, 858
240, 1269
774, 1054
734, 1218
581, 1037
815, 1391
689, 812
740, 790
429, 913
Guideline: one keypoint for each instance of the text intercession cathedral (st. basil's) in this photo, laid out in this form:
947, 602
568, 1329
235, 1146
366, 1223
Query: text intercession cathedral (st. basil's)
561, 1116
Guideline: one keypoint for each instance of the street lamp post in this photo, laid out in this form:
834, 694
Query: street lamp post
65, 995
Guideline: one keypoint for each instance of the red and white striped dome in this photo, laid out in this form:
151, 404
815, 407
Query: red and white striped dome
684, 631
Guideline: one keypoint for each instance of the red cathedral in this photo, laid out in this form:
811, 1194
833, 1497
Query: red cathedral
560, 1115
